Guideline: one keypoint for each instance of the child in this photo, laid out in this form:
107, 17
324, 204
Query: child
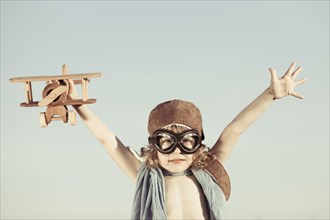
177, 177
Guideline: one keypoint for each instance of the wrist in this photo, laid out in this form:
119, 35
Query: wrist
268, 92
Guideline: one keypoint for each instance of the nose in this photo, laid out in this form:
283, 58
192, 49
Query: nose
177, 150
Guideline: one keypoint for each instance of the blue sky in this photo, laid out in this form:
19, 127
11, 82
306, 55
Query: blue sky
213, 53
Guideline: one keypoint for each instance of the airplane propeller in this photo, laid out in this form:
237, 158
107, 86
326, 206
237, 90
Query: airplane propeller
52, 96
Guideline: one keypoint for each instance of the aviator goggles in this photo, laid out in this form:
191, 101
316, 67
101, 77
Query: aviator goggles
166, 141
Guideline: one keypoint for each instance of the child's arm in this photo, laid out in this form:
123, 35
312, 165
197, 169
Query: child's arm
119, 153
279, 88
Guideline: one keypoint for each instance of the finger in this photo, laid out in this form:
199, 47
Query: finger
71, 83
290, 70
296, 72
297, 95
273, 74
299, 82
65, 70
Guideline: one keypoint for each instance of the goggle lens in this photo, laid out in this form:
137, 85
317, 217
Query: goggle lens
164, 141
189, 140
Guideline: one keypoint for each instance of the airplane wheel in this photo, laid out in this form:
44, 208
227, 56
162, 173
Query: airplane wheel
42, 119
72, 117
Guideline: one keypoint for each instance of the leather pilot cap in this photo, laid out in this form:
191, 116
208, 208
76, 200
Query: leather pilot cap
175, 112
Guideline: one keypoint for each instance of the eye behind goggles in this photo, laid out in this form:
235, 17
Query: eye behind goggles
166, 141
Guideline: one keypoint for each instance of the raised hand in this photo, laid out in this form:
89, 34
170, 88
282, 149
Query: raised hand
284, 86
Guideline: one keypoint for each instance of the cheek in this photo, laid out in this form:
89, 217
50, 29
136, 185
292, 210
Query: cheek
194, 156
162, 159
190, 158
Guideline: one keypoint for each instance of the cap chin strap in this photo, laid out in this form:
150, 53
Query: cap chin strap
187, 172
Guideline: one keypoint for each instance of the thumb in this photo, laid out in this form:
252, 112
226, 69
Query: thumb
273, 74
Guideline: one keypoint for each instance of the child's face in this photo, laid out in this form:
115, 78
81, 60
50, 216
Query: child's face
177, 161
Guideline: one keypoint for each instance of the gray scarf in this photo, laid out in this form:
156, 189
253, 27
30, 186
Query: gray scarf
149, 202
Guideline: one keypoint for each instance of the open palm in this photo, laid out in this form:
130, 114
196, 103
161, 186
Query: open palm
284, 86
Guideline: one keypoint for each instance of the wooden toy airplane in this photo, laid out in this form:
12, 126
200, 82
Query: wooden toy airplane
55, 95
